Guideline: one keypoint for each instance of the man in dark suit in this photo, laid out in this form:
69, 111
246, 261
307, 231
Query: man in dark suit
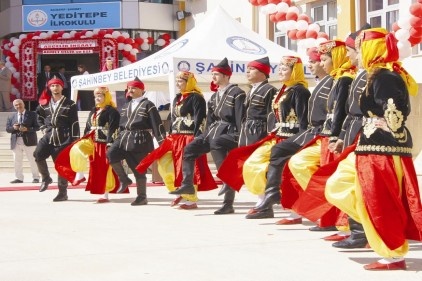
23, 127
43, 78
62, 76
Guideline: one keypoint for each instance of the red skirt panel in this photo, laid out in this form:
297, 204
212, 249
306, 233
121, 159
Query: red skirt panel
396, 215
231, 170
176, 143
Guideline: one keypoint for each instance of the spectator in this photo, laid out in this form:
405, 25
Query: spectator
23, 126
5, 87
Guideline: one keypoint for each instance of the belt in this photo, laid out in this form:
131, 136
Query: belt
287, 125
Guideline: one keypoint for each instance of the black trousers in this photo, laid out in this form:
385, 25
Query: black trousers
116, 154
201, 145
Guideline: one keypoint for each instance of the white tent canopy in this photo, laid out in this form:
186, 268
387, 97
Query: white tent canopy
215, 37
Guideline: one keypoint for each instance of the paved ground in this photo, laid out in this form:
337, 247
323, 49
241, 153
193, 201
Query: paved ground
80, 240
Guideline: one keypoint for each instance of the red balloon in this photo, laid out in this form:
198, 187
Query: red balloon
323, 35
415, 21
139, 40
166, 36
150, 40
414, 41
29, 36
292, 34
273, 18
416, 9
120, 39
311, 34
301, 34
420, 1
415, 32
280, 16
304, 17
262, 2
253, 2
291, 16
128, 41
274, 1
288, 2
395, 27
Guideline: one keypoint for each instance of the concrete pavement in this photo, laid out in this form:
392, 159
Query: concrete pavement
80, 240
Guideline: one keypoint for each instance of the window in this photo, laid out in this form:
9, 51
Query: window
324, 14
382, 13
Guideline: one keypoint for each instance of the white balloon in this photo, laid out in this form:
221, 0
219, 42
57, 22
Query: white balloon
12, 69
405, 52
125, 35
320, 40
290, 24
66, 35
50, 32
6, 47
145, 46
43, 35
120, 46
310, 42
14, 91
36, 37
160, 42
17, 55
271, 8
8, 64
403, 45
16, 42
404, 23
89, 34
143, 34
22, 36
314, 26
282, 7
134, 51
13, 38
293, 9
402, 34
14, 49
96, 31
127, 47
72, 33
115, 34
108, 36
281, 27
16, 75
302, 25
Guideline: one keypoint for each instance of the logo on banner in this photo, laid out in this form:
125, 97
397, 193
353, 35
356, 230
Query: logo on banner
183, 66
245, 45
173, 48
37, 18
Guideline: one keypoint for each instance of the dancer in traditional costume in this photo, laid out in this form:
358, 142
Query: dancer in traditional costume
377, 185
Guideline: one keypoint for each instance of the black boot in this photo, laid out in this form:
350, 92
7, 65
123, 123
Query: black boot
141, 191
62, 195
45, 175
272, 189
125, 181
218, 156
357, 239
227, 207
187, 187
262, 214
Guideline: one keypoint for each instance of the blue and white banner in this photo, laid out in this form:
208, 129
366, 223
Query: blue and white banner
71, 16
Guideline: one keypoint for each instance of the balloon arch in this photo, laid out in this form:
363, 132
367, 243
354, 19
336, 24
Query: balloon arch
21, 52
288, 19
